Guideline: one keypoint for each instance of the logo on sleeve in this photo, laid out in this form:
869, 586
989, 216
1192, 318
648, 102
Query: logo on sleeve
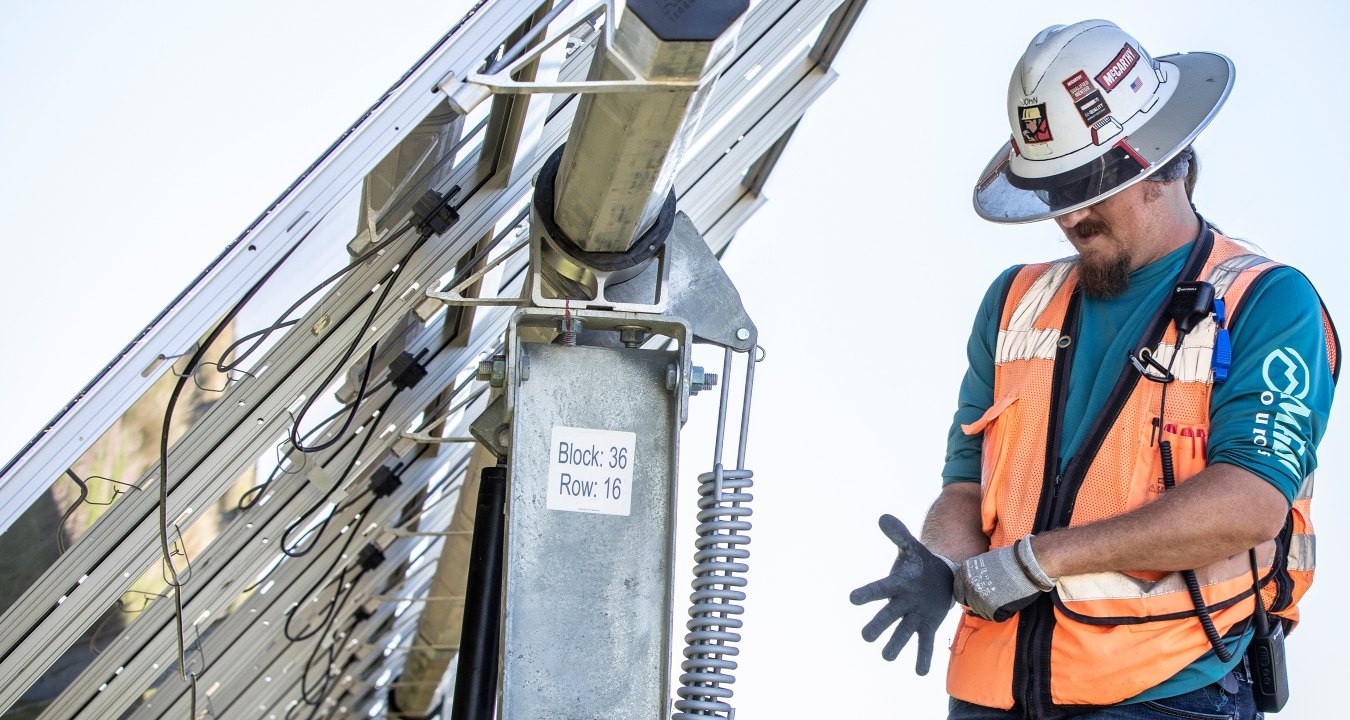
1285, 372
1283, 429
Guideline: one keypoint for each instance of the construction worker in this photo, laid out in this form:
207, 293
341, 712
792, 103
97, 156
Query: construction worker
1124, 509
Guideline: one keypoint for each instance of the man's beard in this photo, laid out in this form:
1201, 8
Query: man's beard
1104, 278
1102, 275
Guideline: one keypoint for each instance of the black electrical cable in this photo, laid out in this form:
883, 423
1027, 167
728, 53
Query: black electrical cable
404, 201
204, 364
341, 364
1192, 582
313, 534
297, 441
334, 606
446, 483
61, 526
319, 529
253, 494
164, 464
258, 336
176, 581
195, 361
316, 697
290, 614
276, 203
352, 500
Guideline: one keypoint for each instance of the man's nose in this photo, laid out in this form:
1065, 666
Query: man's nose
1068, 220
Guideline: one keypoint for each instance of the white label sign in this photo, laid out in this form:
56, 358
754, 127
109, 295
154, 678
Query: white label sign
591, 470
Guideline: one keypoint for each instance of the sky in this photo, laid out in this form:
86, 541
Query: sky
139, 138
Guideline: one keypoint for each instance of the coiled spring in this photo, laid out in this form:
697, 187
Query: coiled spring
722, 534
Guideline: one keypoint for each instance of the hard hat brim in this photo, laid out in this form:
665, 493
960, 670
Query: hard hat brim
1204, 82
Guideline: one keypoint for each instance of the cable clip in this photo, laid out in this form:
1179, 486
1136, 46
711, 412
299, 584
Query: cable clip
433, 214
405, 371
371, 557
383, 482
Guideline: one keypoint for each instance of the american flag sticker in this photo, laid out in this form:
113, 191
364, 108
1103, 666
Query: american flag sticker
1138, 83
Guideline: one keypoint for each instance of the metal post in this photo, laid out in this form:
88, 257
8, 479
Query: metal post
624, 148
590, 525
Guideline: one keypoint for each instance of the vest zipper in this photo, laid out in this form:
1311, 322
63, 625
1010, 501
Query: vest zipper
1037, 621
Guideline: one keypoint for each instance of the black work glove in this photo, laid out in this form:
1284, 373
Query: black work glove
920, 592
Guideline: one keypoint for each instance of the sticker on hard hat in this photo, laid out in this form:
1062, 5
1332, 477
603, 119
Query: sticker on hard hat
1112, 74
1035, 125
1105, 130
1088, 99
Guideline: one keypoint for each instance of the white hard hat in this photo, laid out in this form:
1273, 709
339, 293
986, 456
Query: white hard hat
1093, 113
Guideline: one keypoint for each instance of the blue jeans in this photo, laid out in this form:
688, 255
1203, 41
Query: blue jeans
1229, 699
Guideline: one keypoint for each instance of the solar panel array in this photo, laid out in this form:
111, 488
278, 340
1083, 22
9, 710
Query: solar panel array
322, 295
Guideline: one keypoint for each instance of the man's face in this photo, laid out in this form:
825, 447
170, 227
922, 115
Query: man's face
1115, 237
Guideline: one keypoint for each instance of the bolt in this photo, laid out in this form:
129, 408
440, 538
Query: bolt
700, 380
742, 334
672, 377
633, 335
569, 327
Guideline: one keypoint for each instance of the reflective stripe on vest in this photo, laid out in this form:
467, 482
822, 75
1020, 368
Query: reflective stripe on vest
1116, 634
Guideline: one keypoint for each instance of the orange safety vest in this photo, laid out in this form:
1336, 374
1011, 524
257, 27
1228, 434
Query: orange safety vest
1105, 637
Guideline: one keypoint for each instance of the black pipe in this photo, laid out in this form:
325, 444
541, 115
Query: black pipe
476, 676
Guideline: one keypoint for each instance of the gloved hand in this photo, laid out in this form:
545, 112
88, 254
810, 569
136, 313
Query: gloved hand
920, 592
998, 583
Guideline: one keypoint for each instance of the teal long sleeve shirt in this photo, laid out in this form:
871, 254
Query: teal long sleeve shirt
1266, 418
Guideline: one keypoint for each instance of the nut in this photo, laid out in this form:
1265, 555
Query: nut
493, 371
633, 335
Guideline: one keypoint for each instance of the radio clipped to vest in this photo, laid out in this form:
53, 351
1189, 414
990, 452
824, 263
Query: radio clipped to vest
1265, 655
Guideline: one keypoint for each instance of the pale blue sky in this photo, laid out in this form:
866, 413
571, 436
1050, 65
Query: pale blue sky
139, 138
